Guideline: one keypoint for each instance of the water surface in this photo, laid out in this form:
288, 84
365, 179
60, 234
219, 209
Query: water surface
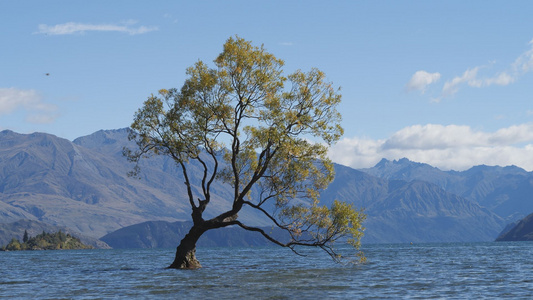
424, 271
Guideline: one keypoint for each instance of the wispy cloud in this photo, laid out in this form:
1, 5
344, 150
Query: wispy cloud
524, 63
447, 147
37, 111
469, 76
473, 77
73, 28
420, 81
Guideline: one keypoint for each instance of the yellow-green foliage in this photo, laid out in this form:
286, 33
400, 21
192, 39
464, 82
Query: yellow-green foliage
249, 125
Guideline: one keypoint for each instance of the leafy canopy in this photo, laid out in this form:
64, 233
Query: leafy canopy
263, 133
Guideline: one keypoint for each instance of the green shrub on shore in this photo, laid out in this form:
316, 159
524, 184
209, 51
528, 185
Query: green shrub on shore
46, 241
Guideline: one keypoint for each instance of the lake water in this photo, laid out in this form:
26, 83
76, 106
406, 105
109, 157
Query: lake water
420, 271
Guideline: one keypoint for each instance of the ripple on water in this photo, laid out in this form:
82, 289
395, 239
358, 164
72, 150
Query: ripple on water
478, 270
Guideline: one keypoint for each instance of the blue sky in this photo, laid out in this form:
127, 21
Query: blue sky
449, 83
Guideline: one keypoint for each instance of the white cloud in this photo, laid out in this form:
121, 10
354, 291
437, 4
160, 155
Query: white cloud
12, 99
502, 79
524, 63
471, 77
420, 80
432, 136
511, 135
446, 147
72, 28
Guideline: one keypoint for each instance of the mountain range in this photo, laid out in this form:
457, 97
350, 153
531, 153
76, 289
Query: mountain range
506, 191
83, 185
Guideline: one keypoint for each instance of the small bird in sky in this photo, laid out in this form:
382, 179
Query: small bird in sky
47, 74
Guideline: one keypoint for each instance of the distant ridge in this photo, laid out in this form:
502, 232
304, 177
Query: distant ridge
415, 211
503, 190
522, 231
83, 185
161, 234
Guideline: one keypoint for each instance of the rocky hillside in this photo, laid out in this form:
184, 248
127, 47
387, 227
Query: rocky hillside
416, 211
505, 191
83, 185
521, 231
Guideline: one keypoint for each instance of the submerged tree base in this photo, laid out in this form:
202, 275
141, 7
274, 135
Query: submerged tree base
186, 264
186, 254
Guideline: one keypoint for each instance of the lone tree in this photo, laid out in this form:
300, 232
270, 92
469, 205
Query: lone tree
265, 134
25, 238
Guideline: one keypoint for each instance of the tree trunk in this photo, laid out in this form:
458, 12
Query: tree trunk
186, 251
